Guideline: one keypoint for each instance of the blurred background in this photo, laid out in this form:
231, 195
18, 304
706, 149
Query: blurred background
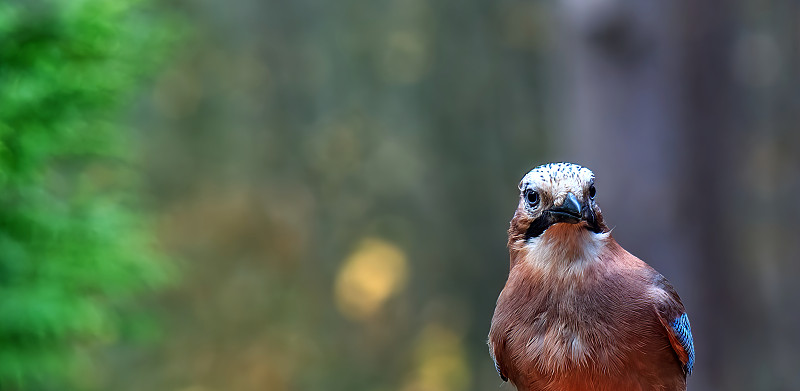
266, 195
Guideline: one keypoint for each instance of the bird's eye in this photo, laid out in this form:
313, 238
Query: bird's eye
532, 197
592, 191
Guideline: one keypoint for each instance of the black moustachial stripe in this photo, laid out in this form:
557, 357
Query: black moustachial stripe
539, 225
543, 222
591, 221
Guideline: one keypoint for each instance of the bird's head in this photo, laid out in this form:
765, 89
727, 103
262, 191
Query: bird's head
555, 198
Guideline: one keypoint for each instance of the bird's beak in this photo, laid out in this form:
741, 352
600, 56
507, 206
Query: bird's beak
568, 212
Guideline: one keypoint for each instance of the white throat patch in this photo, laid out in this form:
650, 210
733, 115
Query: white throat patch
565, 250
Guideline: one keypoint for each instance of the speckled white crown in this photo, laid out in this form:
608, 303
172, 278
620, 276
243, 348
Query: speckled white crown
552, 174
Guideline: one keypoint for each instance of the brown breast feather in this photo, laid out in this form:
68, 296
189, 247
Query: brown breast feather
593, 331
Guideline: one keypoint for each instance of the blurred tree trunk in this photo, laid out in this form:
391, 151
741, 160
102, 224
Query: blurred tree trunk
646, 79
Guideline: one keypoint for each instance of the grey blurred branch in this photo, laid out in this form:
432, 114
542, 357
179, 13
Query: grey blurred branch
645, 80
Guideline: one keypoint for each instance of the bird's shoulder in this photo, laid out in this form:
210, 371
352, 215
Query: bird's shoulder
672, 315
636, 273
666, 305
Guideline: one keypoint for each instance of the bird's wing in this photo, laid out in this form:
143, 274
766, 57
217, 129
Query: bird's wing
676, 323
492, 350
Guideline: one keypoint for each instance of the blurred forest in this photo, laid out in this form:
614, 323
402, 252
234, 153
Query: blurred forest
333, 181
76, 256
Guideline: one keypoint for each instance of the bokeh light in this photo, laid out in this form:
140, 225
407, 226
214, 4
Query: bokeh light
376, 271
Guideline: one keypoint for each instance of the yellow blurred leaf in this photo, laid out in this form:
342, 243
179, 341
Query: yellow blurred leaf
375, 271
440, 361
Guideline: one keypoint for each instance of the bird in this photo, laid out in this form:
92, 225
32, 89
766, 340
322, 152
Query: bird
579, 312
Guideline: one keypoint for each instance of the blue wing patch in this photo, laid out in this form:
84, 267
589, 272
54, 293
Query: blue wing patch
683, 332
496, 365
499, 372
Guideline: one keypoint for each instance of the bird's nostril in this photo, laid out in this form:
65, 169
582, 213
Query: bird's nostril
570, 206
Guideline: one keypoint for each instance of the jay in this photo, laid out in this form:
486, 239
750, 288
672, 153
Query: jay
578, 312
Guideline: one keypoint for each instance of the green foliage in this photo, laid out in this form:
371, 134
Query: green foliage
72, 251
